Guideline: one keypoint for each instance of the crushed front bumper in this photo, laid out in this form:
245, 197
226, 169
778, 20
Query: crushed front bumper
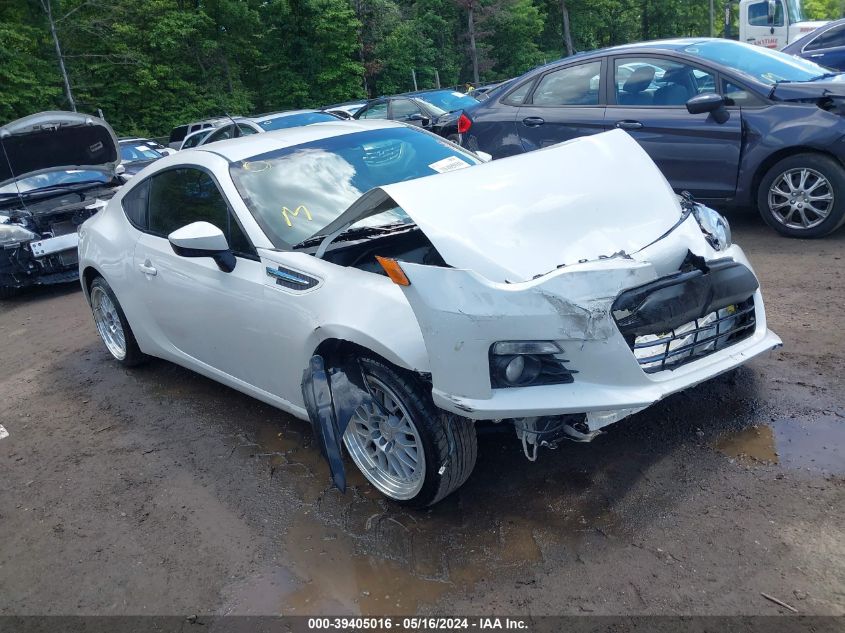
461, 315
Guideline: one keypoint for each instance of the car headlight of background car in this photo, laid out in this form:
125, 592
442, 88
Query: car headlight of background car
527, 363
715, 227
14, 233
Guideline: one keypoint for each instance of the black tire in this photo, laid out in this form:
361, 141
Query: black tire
449, 441
7, 292
825, 166
134, 356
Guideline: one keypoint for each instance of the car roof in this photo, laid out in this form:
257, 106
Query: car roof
672, 45
243, 147
259, 118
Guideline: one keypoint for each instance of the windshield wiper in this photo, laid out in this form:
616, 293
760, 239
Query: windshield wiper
57, 186
824, 76
351, 234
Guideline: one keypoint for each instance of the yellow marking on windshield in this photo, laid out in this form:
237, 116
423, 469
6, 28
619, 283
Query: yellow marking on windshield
287, 213
256, 165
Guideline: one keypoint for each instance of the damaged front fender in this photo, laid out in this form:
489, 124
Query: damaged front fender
332, 396
462, 314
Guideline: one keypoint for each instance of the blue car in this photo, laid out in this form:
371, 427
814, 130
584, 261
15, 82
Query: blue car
733, 124
825, 45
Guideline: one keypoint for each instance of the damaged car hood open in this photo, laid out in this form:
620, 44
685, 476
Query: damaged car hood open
56, 141
519, 217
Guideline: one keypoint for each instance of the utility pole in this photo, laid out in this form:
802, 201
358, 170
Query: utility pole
48, 9
414, 77
712, 27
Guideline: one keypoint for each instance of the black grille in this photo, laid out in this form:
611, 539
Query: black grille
691, 341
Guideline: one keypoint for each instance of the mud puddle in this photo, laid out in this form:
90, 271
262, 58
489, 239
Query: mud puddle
358, 554
814, 445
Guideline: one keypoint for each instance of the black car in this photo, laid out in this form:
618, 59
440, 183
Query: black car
825, 45
733, 124
58, 169
438, 111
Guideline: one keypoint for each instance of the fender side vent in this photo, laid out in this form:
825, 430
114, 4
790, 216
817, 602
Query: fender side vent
290, 279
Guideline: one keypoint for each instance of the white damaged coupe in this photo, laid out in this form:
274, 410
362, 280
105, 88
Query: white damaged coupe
395, 290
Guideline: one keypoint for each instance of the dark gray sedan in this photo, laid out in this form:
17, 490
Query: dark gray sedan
733, 124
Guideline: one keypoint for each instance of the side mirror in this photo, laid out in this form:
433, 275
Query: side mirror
712, 103
203, 239
119, 170
772, 9
484, 156
416, 117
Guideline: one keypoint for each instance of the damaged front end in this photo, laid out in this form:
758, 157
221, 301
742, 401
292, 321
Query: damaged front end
38, 244
57, 170
565, 310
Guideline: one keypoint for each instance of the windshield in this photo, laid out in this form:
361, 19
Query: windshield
796, 11
295, 192
53, 178
295, 120
447, 100
131, 152
762, 64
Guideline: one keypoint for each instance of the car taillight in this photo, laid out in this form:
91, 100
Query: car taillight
464, 124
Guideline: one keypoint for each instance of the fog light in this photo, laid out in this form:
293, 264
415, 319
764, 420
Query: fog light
516, 371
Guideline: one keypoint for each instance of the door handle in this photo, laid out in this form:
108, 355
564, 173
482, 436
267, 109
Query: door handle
533, 121
147, 268
629, 125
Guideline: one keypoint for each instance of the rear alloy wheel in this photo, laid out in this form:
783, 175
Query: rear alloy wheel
803, 196
407, 448
112, 325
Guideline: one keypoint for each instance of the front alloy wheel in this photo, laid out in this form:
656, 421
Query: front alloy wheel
803, 196
385, 444
411, 451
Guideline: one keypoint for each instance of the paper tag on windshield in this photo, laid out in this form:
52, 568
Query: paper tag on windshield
142, 148
448, 164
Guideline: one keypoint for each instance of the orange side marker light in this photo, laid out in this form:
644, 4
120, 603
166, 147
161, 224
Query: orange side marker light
393, 270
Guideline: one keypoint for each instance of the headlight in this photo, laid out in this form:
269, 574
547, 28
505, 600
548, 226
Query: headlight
527, 363
715, 227
12, 233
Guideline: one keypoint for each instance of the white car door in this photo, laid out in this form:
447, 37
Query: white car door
200, 316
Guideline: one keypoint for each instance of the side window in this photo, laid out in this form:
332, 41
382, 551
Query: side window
178, 197
758, 14
829, 39
575, 85
377, 111
192, 141
403, 108
245, 130
517, 97
220, 135
654, 81
135, 205
739, 96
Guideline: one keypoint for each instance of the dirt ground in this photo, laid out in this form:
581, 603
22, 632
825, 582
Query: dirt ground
157, 491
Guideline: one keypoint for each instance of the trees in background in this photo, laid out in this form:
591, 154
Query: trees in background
151, 64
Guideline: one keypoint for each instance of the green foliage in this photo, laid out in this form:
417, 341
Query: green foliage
824, 9
153, 64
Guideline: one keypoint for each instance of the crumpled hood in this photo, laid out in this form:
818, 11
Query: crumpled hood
833, 87
523, 216
56, 141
